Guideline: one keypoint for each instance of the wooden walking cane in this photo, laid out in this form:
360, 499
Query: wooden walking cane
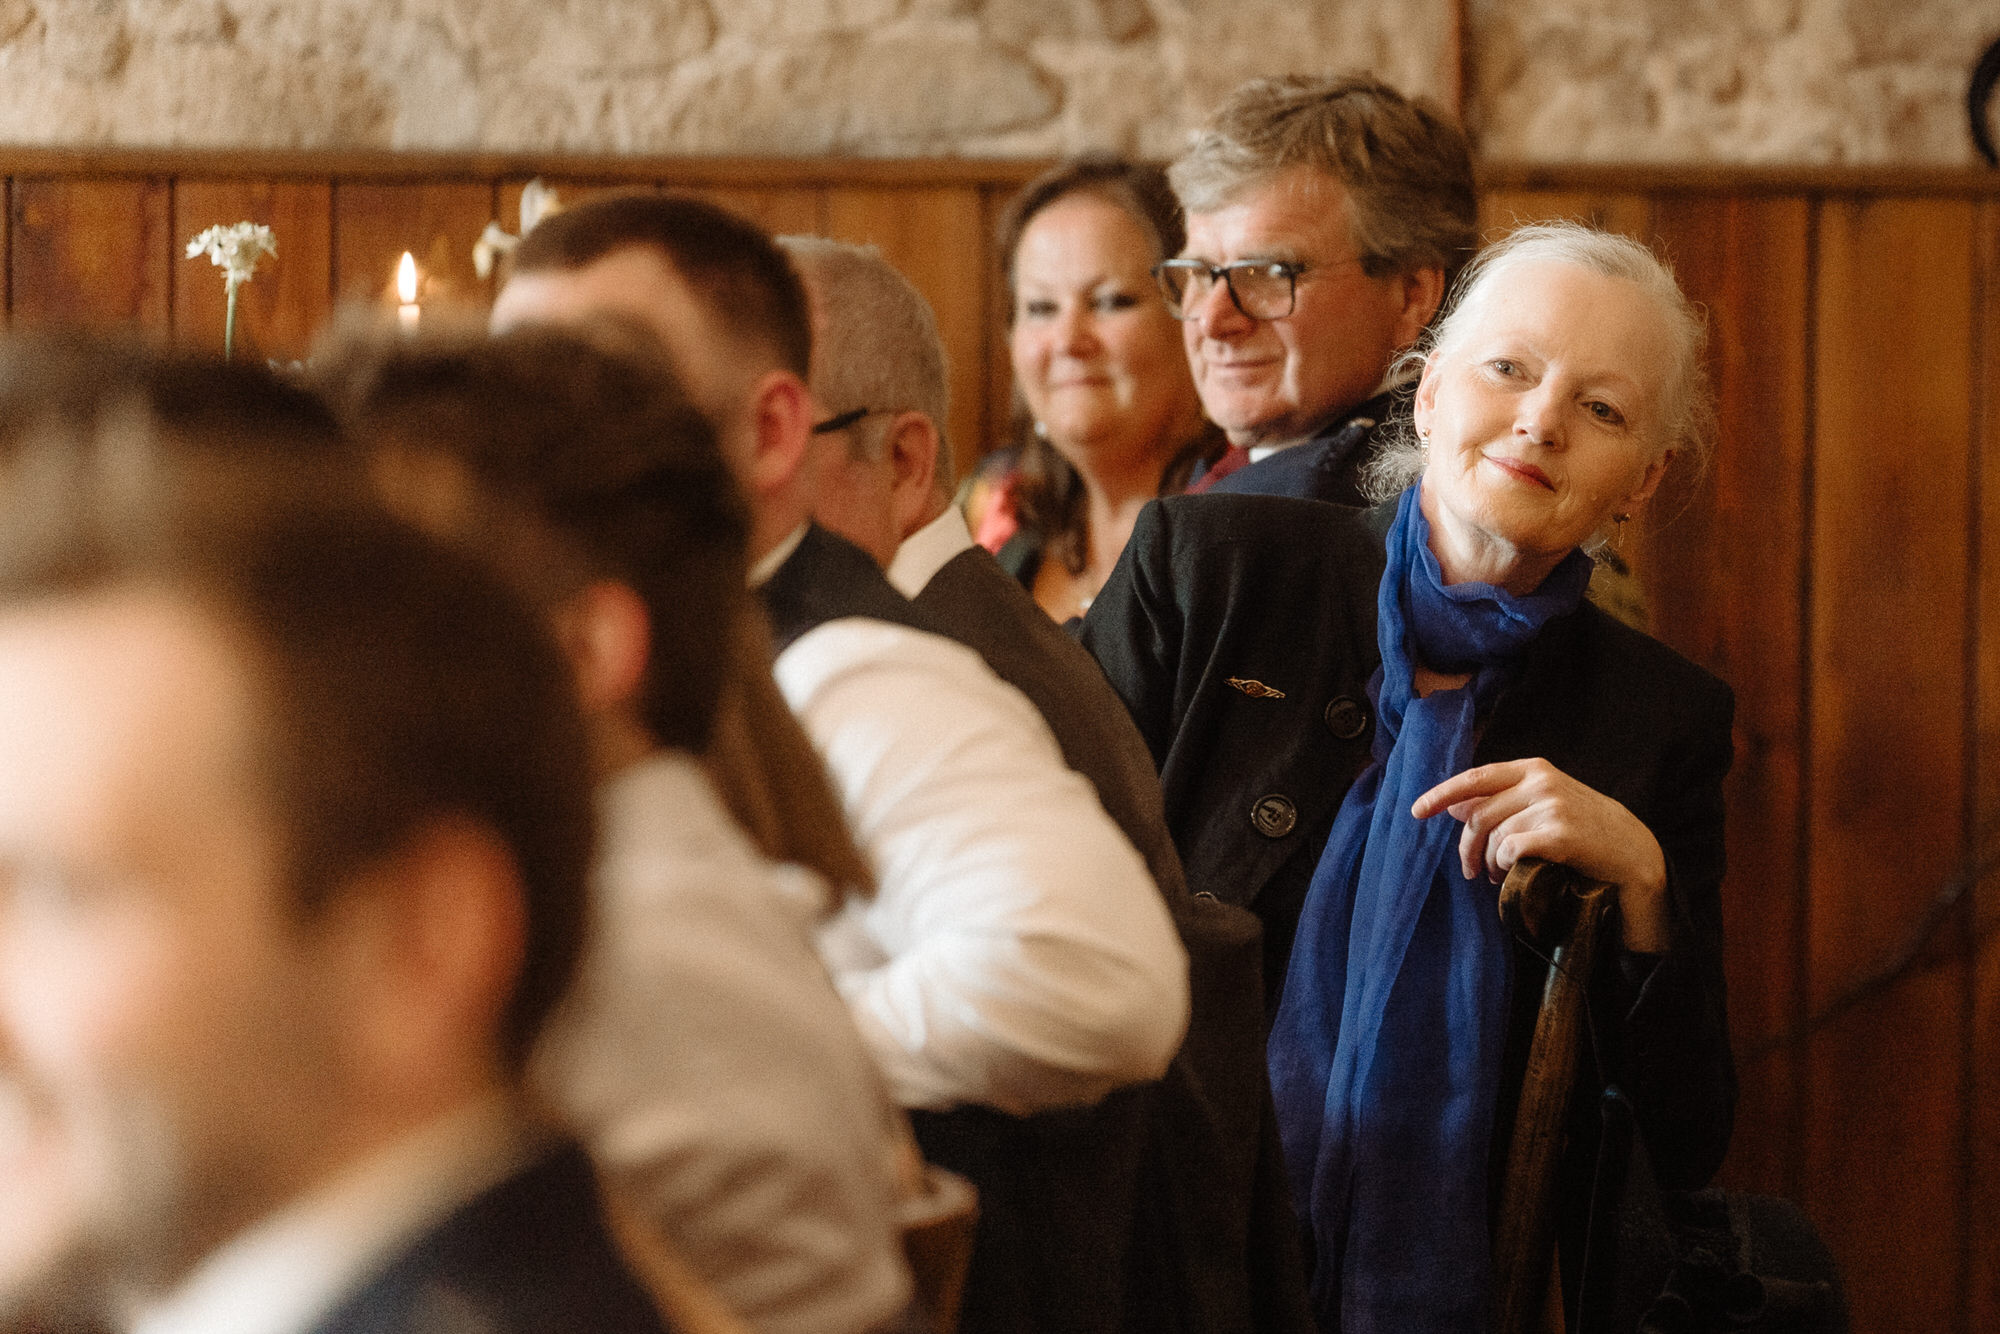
1561, 912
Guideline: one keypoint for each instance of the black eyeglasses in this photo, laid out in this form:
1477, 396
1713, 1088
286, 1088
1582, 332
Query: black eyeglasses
840, 421
1263, 289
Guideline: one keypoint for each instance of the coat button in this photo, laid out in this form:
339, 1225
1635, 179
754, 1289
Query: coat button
1346, 717
1274, 815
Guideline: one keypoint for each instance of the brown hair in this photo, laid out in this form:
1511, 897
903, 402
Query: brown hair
1406, 166
1049, 493
397, 683
585, 461
743, 281
769, 776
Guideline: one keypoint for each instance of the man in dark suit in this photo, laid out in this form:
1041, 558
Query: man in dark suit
1326, 218
294, 823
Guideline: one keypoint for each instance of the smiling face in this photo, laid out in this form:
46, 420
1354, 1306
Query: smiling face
1273, 381
1095, 352
1542, 409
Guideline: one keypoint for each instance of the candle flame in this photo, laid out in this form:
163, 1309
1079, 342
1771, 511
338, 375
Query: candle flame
406, 279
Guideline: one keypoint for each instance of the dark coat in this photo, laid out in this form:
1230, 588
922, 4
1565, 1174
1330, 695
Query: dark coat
1221, 602
972, 600
1162, 1207
1326, 467
530, 1256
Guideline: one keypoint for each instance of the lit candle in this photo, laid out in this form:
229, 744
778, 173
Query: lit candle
409, 312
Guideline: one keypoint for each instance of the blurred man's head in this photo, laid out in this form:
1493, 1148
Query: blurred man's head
294, 823
878, 371
573, 462
1341, 210
720, 296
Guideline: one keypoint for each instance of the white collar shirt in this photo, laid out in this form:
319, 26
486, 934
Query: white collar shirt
928, 550
706, 1060
1016, 953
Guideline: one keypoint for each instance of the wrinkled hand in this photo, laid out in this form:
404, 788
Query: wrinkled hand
1530, 808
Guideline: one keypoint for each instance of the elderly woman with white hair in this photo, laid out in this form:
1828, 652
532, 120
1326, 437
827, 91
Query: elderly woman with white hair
1364, 719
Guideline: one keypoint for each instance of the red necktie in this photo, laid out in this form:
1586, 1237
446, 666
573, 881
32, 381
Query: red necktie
1232, 458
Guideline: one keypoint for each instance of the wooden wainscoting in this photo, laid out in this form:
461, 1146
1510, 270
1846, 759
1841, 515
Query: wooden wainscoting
1838, 563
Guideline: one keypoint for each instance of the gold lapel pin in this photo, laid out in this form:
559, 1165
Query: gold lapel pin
1256, 689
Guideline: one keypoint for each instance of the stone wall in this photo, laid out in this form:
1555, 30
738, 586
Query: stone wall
1551, 80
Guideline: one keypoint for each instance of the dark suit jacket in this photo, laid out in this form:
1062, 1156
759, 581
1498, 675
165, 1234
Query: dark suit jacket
1055, 1189
1161, 1208
529, 1256
1279, 595
1206, 1189
972, 600
1326, 467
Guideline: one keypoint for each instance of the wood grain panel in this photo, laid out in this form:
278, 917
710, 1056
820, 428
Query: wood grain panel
1984, 1125
438, 222
1891, 555
281, 308
999, 365
91, 251
570, 191
934, 236
795, 211
1500, 211
1984, 1139
1726, 560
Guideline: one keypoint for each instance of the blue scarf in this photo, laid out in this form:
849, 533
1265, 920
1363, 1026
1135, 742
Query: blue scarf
1385, 1054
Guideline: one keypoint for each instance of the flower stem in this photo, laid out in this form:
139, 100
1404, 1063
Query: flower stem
229, 323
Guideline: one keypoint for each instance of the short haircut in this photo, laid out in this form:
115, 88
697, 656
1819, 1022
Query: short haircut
1139, 188
741, 278
586, 461
878, 347
1404, 163
396, 683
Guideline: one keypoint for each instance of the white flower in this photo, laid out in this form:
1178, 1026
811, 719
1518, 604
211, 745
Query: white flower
492, 243
538, 201
235, 248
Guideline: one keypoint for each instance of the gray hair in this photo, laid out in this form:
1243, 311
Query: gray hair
1404, 163
1684, 418
875, 341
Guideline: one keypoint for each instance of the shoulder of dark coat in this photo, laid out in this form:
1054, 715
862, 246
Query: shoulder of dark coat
1642, 664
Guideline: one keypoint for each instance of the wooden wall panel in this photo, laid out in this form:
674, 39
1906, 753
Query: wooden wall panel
438, 222
1501, 211
798, 211
1891, 563
283, 306
1727, 561
91, 251
570, 191
999, 387
1983, 1125
935, 237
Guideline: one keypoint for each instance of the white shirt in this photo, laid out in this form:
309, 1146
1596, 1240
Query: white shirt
928, 550
1016, 954
706, 1060
288, 1271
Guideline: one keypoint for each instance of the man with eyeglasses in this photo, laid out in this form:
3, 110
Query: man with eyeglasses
1326, 218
